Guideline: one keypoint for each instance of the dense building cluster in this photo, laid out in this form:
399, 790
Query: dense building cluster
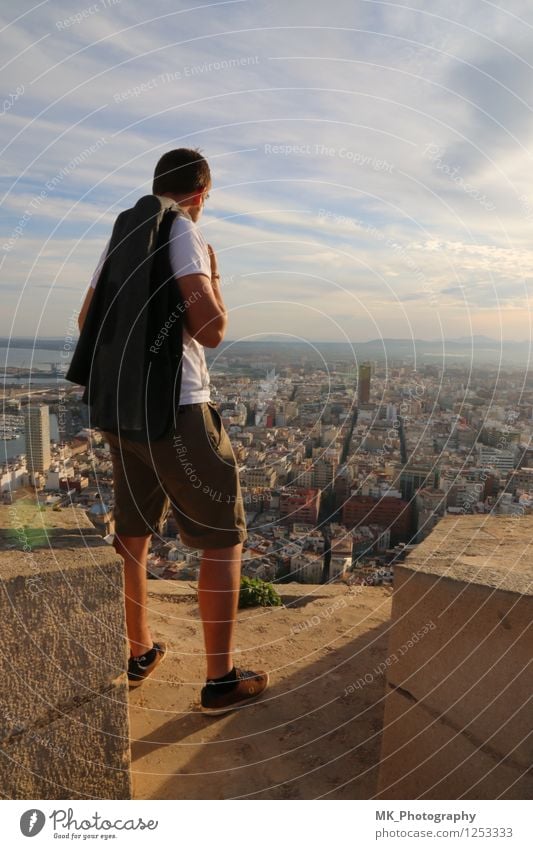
342, 469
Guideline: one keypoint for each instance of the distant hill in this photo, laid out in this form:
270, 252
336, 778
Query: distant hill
478, 349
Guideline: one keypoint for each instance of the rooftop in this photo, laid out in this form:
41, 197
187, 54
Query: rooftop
305, 739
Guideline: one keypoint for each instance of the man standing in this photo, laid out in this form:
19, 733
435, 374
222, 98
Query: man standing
191, 467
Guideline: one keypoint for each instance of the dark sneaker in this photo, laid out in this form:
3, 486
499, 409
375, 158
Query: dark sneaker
221, 698
139, 668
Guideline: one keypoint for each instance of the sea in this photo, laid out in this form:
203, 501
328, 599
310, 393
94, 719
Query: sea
29, 358
32, 358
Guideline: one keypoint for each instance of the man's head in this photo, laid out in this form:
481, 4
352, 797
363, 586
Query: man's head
183, 175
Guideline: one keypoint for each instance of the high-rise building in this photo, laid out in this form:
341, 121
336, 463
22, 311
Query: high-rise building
414, 477
37, 433
363, 383
502, 459
323, 473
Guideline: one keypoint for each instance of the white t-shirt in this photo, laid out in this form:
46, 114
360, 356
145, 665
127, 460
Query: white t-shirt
189, 254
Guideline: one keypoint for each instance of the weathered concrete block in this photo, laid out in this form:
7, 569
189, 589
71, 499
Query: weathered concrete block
424, 757
63, 641
473, 664
82, 754
460, 644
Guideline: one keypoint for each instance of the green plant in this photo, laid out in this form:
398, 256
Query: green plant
255, 592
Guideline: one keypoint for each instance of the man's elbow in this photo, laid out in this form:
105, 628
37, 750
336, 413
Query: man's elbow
213, 333
213, 337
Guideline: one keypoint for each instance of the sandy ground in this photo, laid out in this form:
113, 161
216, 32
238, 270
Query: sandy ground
306, 739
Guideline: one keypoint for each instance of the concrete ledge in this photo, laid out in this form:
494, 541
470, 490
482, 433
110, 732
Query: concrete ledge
64, 730
86, 750
424, 757
459, 661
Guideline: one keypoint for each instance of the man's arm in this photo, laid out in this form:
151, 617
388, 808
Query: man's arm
205, 317
205, 314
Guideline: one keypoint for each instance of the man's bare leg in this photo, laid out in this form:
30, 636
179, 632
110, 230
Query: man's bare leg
134, 550
218, 598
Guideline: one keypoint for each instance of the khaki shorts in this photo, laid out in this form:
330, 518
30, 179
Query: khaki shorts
192, 470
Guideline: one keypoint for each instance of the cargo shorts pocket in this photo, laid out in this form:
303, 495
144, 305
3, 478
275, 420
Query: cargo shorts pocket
213, 425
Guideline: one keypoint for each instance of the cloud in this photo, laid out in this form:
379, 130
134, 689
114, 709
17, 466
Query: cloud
352, 95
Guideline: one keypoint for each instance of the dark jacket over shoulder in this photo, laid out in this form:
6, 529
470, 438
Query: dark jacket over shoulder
129, 353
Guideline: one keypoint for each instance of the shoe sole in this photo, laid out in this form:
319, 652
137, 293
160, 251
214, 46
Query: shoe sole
137, 683
236, 705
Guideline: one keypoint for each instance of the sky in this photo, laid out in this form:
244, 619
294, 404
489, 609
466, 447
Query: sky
371, 161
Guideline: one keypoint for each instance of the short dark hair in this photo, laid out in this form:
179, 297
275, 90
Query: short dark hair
181, 171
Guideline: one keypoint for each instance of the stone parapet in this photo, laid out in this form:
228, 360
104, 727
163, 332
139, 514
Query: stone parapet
458, 718
64, 730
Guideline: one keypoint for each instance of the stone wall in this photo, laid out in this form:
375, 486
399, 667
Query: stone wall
64, 730
458, 713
